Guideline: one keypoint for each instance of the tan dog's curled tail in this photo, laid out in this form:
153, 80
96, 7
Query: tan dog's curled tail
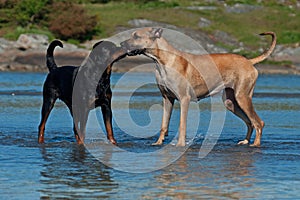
267, 52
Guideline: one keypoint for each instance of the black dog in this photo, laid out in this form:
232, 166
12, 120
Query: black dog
81, 88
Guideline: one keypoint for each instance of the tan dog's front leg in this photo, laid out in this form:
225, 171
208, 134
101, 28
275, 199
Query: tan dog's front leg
168, 107
184, 107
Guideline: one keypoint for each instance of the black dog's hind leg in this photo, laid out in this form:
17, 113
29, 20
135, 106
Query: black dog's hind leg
75, 126
48, 103
232, 105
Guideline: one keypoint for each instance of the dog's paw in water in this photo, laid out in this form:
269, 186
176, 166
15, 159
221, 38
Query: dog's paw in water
243, 142
157, 143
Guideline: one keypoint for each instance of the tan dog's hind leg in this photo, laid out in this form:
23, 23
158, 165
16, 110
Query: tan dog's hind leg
232, 105
243, 94
168, 107
246, 104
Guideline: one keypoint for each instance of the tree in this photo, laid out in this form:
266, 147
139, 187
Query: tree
70, 21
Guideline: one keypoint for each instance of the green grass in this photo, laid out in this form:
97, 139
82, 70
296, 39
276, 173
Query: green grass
245, 27
282, 19
113, 14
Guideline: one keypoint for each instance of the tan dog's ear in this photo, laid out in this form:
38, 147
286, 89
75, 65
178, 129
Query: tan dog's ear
156, 32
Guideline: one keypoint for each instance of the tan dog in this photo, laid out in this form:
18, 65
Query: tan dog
188, 77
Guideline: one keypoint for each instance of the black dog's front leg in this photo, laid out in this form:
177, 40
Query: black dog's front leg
79, 121
83, 121
76, 129
107, 117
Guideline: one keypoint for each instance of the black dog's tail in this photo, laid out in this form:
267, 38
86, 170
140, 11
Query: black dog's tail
50, 59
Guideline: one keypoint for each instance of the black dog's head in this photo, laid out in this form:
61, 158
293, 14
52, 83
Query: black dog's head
100, 60
107, 52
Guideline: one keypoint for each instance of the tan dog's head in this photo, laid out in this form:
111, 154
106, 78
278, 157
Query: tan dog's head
141, 40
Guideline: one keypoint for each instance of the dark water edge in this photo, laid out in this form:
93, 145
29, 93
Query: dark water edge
60, 169
258, 94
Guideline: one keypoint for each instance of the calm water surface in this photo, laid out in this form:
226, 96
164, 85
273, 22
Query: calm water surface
62, 169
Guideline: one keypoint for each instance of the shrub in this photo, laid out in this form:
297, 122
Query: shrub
8, 3
70, 21
29, 11
100, 1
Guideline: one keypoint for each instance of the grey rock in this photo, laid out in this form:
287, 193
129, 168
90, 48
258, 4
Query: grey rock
201, 8
4, 44
289, 53
31, 41
241, 8
29, 51
225, 38
204, 22
137, 23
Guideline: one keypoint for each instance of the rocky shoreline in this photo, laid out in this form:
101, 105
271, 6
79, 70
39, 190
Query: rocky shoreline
27, 54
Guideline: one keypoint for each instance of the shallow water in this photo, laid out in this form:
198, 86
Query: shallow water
62, 169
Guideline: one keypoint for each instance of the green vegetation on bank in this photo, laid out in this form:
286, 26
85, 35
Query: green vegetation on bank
86, 19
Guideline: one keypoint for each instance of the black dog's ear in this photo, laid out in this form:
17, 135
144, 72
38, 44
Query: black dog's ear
156, 32
95, 45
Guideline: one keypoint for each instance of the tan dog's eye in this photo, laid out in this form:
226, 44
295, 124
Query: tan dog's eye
135, 36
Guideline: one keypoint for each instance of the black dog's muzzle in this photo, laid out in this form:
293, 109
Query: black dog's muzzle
130, 50
135, 52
